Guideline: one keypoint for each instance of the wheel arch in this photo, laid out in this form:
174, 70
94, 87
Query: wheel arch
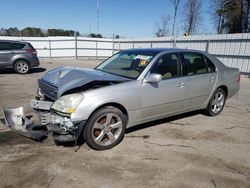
114, 104
225, 89
20, 59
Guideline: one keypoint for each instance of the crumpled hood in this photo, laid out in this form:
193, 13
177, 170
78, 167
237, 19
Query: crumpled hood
66, 78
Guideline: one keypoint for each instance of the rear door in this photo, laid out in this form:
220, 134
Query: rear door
201, 77
167, 96
5, 54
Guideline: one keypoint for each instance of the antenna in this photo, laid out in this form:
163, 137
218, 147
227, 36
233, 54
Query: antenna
97, 16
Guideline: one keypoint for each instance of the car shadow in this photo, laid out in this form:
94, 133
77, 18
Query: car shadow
162, 121
32, 71
80, 142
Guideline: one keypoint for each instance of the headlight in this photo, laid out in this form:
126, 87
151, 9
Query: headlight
67, 103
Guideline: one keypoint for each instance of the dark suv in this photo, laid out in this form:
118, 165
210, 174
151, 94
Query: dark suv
20, 56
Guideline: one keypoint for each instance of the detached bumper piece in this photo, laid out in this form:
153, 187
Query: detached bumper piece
17, 122
62, 129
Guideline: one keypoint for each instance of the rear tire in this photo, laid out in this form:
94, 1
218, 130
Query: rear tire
22, 67
216, 103
105, 128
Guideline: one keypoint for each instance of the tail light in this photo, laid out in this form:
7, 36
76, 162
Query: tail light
238, 78
33, 51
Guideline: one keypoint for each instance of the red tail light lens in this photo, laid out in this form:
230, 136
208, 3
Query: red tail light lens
33, 51
238, 78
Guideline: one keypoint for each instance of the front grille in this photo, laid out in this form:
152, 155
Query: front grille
48, 90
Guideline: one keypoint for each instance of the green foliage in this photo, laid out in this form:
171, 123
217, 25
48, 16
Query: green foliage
36, 32
32, 32
93, 35
233, 16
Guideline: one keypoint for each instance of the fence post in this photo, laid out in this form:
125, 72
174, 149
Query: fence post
96, 49
119, 45
49, 48
207, 45
113, 44
133, 44
151, 44
75, 46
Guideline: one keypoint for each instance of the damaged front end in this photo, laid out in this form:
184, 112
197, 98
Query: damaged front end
56, 100
59, 125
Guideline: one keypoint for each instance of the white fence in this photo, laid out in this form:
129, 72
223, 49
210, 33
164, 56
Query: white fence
232, 49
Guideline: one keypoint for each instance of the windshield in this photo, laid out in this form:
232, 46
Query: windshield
128, 64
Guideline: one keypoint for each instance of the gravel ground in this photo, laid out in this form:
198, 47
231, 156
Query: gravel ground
191, 150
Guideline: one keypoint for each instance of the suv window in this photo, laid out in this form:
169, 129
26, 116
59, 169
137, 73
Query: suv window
169, 66
5, 46
17, 46
195, 63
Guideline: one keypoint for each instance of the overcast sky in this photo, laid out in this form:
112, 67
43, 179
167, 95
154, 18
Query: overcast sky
128, 18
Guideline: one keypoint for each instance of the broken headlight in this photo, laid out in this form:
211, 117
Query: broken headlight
68, 103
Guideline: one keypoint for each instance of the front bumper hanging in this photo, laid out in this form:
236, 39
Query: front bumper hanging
17, 122
62, 129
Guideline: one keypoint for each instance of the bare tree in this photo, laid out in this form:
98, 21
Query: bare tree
176, 6
161, 27
218, 15
245, 6
231, 16
192, 13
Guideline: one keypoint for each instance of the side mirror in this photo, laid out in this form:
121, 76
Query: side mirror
153, 78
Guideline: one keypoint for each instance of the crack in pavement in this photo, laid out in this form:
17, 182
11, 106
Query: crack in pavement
237, 127
235, 170
168, 145
214, 183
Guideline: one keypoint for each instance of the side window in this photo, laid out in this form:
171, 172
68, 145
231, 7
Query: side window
169, 66
210, 65
195, 63
17, 46
5, 46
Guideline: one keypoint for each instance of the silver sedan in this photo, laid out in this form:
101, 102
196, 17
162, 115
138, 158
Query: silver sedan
130, 88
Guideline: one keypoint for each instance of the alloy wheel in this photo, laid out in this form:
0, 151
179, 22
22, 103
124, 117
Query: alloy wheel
218, 102
107, 129
22, 67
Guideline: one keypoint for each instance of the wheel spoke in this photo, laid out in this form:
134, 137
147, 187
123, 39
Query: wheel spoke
100, 137
214, 108
98, 126
111, 137
109, 118
216, 97
116, 125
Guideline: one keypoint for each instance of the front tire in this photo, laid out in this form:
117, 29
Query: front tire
105, 128
216, 103
22, 67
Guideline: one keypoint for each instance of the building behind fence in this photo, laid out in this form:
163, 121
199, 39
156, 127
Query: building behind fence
232, 49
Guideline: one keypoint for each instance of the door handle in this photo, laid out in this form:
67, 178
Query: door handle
212, 79
181, 84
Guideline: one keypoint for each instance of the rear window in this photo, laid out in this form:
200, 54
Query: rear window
17, 46
195, 63
210, 65
5, 46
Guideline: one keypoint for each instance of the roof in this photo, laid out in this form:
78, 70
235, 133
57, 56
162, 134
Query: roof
12, 41
159, 50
